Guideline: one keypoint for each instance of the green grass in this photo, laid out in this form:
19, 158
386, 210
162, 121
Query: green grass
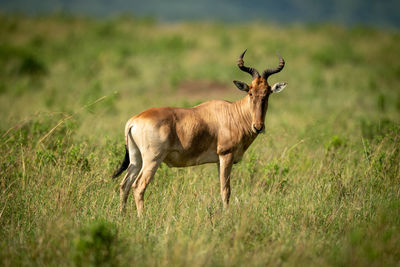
321, 187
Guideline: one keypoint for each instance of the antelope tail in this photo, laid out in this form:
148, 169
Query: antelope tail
124, 164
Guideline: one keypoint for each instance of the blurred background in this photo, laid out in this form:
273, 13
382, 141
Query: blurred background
320, 187
354, 12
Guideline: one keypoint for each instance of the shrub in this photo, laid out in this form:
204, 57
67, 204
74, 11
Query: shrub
76, 157
334, 143
96, 245
22, 59
31, 65
377, 129
45, 157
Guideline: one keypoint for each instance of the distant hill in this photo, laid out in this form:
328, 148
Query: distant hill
380, 13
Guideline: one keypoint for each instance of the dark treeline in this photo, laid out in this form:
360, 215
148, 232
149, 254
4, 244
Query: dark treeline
354, 12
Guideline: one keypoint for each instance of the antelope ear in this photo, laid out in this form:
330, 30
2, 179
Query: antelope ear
241, 85
278, 87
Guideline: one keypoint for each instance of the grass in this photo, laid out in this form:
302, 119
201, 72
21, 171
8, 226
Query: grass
321, 187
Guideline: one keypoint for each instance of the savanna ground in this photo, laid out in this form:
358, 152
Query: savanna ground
320, 187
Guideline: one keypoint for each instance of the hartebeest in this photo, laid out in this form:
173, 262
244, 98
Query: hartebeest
213, 132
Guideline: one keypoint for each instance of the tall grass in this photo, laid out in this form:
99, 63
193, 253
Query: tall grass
321, 187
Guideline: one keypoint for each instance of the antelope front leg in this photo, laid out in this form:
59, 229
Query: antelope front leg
224, 170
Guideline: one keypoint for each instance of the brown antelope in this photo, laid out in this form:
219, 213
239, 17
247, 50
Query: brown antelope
213, 132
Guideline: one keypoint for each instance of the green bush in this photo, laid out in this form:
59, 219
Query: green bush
378, 129
31, 65
77, 158
22, 61
45, 157
335, 143
97, 245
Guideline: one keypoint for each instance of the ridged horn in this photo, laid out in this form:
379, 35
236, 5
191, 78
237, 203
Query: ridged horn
252, 71
268, 72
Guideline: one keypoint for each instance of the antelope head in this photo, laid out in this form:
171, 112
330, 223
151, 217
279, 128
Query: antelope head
259, 91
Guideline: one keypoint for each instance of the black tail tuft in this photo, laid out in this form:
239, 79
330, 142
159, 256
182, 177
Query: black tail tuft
124, 164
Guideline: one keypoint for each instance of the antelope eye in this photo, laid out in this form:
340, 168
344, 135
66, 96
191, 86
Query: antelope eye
250, 94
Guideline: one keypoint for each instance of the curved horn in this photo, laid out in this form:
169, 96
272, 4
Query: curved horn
253, 72
268, 72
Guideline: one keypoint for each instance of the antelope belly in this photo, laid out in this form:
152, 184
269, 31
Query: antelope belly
179, 159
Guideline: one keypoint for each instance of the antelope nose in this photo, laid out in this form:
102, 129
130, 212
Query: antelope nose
258, 129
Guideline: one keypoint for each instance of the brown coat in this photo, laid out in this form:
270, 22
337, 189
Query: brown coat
193, 136
213, 132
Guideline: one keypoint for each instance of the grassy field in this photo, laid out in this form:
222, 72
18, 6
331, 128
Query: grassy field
320, 187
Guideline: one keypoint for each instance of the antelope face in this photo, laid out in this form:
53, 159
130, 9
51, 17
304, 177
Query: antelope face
259, 91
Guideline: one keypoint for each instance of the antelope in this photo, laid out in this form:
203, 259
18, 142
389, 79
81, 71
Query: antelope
216, 131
